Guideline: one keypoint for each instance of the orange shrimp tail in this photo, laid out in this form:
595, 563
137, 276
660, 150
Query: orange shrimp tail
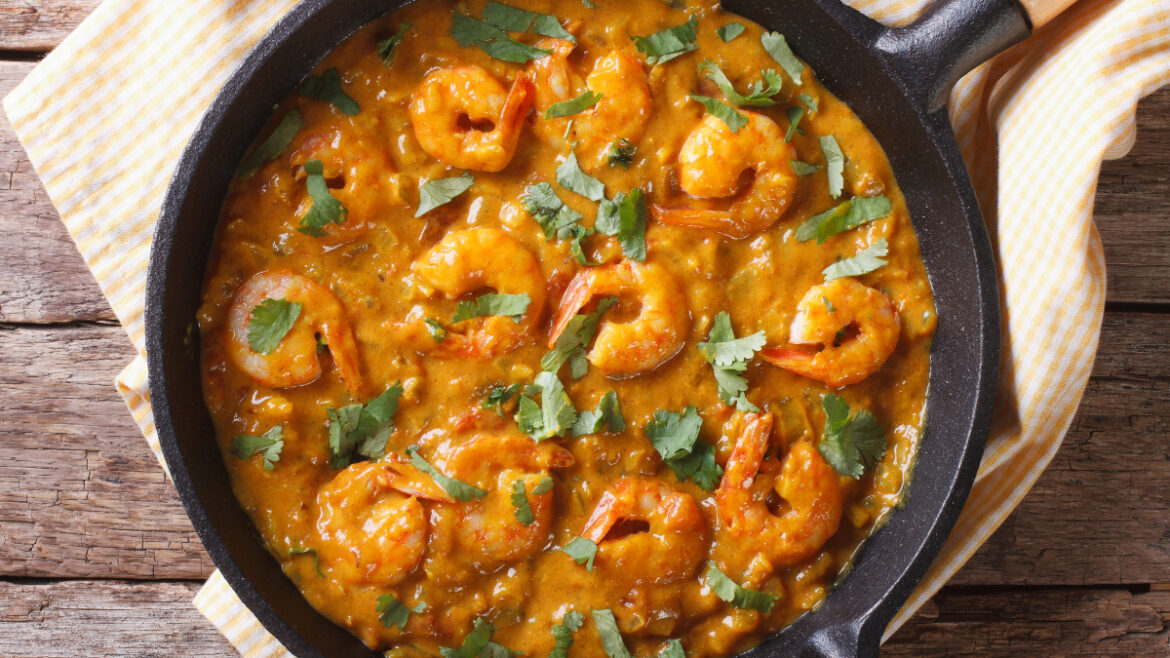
576, 295
516, 108
808, 365
716, 220
605, 514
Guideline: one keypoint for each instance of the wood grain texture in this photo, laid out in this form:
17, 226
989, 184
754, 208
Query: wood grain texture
105, 618
39, 25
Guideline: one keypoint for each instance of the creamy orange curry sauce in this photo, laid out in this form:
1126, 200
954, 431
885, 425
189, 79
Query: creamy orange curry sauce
596, 330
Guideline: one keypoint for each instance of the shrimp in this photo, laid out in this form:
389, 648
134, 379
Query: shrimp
449, 111
472, 260
711, 165
622, 113
672, 544
649, 340
372, 527
295, 360
806, 482
857, 325
485, 533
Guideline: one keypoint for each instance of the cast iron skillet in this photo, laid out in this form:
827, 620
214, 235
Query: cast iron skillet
896, 80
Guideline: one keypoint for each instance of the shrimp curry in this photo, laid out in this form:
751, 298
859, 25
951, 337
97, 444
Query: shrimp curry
565, 328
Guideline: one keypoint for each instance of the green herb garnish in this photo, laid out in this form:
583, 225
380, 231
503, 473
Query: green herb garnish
572, 106
611, 637
387, 47
295, 550
776, 46
519, 20
467, 31
269, 322
608, 416
498, 396
435, 329
865, 262
739, 597
729, 358
583, 551
290, 124
727, 114
570, 175
759, 93
563, 633
621, 153
667, 44
673, 650
523, 510
844, 216
460, 491
327, 87
804, 168
836, 164
269, 444
573, 340
395, 612
492, 303
730, 31
439, 191
365, 428
553, 416
675, 437
555, 218
625, 217
795, 114
851, 444
326, 209
478, 644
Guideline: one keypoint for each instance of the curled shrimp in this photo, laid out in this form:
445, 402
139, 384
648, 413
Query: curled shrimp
649, 340
857, 325
372, 527
805, 481
485, 532
711, 165
673, 541
622, 113
474, 260
295, 360
449, 109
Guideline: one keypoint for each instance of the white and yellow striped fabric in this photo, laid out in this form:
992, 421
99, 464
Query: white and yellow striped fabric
105, 117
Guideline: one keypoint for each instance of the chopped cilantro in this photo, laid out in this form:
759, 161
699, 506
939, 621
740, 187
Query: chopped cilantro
492, 303
733, 119
523, 511
809, 102
519, 20
387, 47
436, 330
729, 358
570, 175
851, 445
553, 416
675, 437
563, 633
699, 465
588, 5
611, 637
673, 650
269, 322
621, 153
439, 191
460, 491
499, 396
296, 550
572, 106
365, 428
739, 597
327, 87
865, 262
574, 339
777, 47
326, 209
759, 93
478, 644
828, 305
608, 416
269, 444
275, 144
804, 168
583, 551
625, 217
555, 218
730, 31
467, 31
842, 217
395, 612
795, 114
667, 44
836, 164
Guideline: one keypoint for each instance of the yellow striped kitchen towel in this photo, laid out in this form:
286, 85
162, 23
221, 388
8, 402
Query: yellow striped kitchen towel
106, 115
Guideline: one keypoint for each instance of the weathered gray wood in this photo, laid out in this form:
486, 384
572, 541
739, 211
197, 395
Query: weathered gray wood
104, 618
39, 25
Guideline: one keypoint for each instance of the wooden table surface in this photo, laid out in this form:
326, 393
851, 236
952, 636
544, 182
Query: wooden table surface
97, 556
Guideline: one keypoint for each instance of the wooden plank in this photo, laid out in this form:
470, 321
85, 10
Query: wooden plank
39, 25
105, 618
81, 495
42, 276
1030, 623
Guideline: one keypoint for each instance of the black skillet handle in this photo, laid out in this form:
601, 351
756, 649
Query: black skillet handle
859, 639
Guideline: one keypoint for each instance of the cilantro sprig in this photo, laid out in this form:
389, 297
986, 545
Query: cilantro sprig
759, 93
522, 509
730, 31
795, 114
777, 47
468, 31
625, 218
852, 443
275, 144
866, 261
573, 106
498, 396
607, 416
456, 489
519, 20
573, 341
269, 444
621, 153
269, 322
478, 644
729, 358
327, 87
563, 633
665, 45
553, 416
725, 113
739, 597
362, 427
611, 637
675, 437
395, 612
387, 47
835, 161
439, 191
326, 209
573, 178
556, 219
842, 217
582, 550
492, 303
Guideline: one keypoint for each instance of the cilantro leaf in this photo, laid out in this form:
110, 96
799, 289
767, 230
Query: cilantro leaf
478, 644
395, 612
777, 47
625, 217
574, 339
729, 358
460, 491
553, 416
759, 93
611, 637
555, 218
269, 322
275, 144
673, 650
467, 31
608, 415
851, 445
295, 550
842, 217
492, 303
573, 105
327, 87
809, 102
836, 164
865, 262
387, 47
795, 114
621, 153
733, 119
436, 330
563, 633
519, 20
365, 428
326, 209
699, 466
583, 551
523, 511
667, 44
730, 31
269, 444
570, 175
499, 396
804, 168
739, 597
674, 434
439, 191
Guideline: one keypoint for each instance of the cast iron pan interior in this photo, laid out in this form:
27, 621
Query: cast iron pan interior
895, 80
